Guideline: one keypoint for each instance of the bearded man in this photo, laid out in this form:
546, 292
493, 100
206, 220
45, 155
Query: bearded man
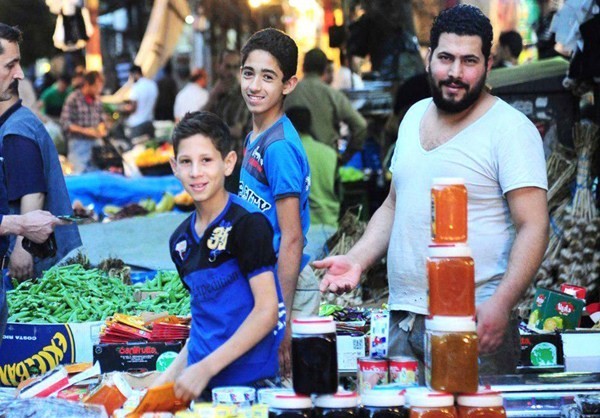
462, 131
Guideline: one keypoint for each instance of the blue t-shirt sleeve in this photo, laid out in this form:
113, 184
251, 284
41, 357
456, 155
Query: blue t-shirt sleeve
24, 167
284, 169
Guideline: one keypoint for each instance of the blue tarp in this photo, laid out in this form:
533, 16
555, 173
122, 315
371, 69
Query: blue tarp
103, 188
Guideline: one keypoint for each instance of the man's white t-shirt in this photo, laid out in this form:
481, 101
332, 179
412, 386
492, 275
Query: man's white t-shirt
499, 152
191, 98
145, 93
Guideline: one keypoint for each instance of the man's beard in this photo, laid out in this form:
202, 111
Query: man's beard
450, 106
11, 91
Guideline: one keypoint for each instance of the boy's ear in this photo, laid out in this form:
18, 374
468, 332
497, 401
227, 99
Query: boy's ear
230, 160
173, 165
290, 85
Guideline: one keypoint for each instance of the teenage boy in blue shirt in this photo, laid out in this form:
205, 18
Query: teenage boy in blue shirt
224, 254
275, 174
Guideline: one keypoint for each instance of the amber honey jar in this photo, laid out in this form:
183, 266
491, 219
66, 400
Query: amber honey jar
451, 275
430, 404
482, 404
451, 349
448, 210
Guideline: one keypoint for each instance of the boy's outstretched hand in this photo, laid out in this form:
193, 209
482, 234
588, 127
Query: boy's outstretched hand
342, 274
192, 381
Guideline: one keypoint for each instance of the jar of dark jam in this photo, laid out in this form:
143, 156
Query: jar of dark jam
283, 405
314, 356
382, 404
338, 405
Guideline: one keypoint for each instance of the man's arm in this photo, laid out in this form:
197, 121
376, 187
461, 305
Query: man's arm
21, 262
36, 225
343, 272
529, 212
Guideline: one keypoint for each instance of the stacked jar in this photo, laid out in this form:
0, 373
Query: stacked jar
451, 340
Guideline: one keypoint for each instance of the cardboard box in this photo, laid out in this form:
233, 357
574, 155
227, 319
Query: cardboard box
553, 310
582, 350
349, 349
31, 349
136, 357
541, 353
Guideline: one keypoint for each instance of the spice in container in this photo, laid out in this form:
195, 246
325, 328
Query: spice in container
451, 349
314, 356
448, 210
482, 404
430, 404
451, 275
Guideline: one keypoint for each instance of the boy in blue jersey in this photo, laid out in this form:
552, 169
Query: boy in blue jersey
224, 255
275, 175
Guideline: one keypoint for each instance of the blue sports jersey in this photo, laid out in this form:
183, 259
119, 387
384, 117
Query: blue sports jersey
217, 268
275, 166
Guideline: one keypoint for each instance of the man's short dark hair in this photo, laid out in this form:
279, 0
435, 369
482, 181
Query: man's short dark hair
513, 40
65, 78
136, 69
10, 34
463, 20
91, 77
315, 62
300, 118
207, 124
278, 44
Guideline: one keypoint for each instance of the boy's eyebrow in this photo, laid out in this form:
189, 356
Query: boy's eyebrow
262, 70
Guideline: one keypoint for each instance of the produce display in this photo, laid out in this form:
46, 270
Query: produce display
73, 293
155, 155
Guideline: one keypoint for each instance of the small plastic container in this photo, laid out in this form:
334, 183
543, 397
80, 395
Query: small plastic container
383, 404
264, 395
338, 405
314, 356
448, 210
430, 404
240, 396
482, 404
451, 354
451, 275
290, 406
371, 372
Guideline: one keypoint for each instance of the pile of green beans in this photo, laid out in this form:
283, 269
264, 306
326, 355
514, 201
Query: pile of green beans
75, 294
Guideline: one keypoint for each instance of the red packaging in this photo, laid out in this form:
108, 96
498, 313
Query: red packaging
570, 289
371, 372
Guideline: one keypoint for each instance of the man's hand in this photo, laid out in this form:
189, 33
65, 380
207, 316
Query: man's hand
20, 266
342, 274
38, 225
192, 381
285, 354
492, 324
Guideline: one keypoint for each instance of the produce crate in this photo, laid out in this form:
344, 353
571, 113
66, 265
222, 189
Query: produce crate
29, 349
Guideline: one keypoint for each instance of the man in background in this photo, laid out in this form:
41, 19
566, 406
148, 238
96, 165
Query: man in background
140, 106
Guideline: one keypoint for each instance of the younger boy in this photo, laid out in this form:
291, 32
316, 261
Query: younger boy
275, 175
224, 254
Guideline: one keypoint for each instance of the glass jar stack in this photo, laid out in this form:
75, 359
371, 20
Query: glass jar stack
451, 340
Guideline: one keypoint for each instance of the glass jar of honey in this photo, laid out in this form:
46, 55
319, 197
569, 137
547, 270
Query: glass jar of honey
451, 274
448, 210
482, 404
314, 356
430, 404
451, 351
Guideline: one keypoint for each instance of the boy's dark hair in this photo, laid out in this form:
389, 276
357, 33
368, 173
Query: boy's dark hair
278, 44
207, 124
91, 77
462, 20
315, 62
300, 118
513, 40
10, 34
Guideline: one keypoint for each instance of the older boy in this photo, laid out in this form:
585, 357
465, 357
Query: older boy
275, 174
